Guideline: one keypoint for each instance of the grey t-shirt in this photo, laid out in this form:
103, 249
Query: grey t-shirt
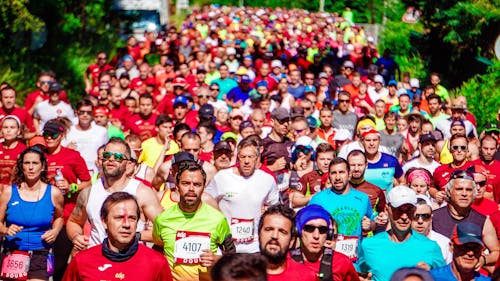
392, 142
346, 121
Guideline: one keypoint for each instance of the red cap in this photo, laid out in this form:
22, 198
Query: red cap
37, 140
179, 81
101, 110
372, 131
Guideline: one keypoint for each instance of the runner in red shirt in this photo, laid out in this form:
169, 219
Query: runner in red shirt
143, 123
94, 70
8, 99
42, 93
10, 148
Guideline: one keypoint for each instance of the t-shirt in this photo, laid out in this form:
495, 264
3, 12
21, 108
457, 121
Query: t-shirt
383, 172
415, 163
46, 111
382, 257
493, 182
146, 264
225, 85
237, 94
151, 151
342, 268
347, 209
23, 116
392, 142
309, 183
294, 271
145, 128
443, 173
184, 235
444, 223
445, 273
345, 121
241, 200
375, 193
31, 98
8, 158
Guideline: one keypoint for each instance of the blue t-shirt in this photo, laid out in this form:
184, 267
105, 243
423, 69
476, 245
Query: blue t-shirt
382, 257
347, 209
383, 172
445, 274
237, 94
298, 92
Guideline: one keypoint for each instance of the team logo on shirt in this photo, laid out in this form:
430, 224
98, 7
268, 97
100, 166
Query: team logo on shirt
120, 276
230, 195
104, 267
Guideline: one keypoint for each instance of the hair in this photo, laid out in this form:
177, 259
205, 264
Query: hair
6, 88
250, 267
133, 137
19, 177
449, 185
209, 127
181, 127
279, 209
190, 135
356, 152
458, 136
247, 142
64, 122
419, 169
162, 119
146, 96
119, 141
115, 198
324, 147
345, 93
49, 73
487, 137
84, 102
426, 121
191, 166
434, 96
337, 161
129, 97
391, 114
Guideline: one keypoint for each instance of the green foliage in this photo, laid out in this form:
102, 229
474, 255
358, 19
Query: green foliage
483, 95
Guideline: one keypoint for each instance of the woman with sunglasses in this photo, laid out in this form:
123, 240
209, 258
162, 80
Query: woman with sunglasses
68, 171
31, 212
10, 148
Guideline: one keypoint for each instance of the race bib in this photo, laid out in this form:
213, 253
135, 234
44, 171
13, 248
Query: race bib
242, 230
347, 245
16, 266
189, 245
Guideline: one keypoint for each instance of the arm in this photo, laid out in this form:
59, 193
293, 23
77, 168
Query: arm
76, 221
159, 162
57, 224
298, 199
150, 207
161, 175
491, 242
4, 200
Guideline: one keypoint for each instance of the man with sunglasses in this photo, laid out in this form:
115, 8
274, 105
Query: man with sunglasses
482, 204
277, 145
343, 118
94, 70
53, 107
488, 146
460, 192
116, 167
467, 247
85, 136
383, 254
45, 79
316, 229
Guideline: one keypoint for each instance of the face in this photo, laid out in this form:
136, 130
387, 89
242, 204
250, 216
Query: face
121, 223
466, 256
281, 126
300, 128
435, 80
461, 193
422, 219
457, 114
32, 166
427, 128
434, 106
357, 164
44, 83
415, 126
402, 125
401, 217
309, 79
112, 167
190, 188
419, 186
404, 102
8, 99
52, 140
379, 109
428, 149
165, 130
390, 122
248, 159
224, 72
248, 131
264, 70
339, 177
145, 106
85, 115
10, 129
257, 120
344, 102
180, 111
235, 122
326, 118
488, 149
274, 237
101, 119
371, 144
131, 105
457, 130
480, 181
458, 148
192, 146
323, 160
222, 159
314, 241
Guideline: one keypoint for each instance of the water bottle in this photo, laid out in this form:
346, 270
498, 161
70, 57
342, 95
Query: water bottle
59, 176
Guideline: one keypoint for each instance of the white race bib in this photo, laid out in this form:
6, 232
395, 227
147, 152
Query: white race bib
347, 245
242, 230
189, 245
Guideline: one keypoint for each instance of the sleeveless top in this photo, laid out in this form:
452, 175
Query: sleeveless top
166, 199
94, 203
444, 223
35, 217
445, 156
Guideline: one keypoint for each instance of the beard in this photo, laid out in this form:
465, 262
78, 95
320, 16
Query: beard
274, 258
114, 173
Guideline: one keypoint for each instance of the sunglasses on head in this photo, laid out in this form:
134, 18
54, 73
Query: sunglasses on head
424, 217
458, 147
119, 157
461, 174
50, 135
311, 228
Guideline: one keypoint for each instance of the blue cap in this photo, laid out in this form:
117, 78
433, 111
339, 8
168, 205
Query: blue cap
311, 212
309, 88
262, 83
467, 232
392, 83
245, 79
181, 99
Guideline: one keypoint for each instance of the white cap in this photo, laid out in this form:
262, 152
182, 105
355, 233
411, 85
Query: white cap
414, 83
401, 195
231, 51
425, 198
348, 63
306, 141
276, 63
379, 79
402, 91
342, 135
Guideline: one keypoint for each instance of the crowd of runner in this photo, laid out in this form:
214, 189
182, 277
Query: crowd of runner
247, 131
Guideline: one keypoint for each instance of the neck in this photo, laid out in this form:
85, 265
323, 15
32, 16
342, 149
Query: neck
10, 143
160, 140
207, 146
275, 136
311, 257
389, 131
115, 183
399, 236
32, 184
458, 213
8, 110
344, 190
373, 157
460, 275
189, 208
83, 126
425, 160
117, 247
457, 164
54, 150
357, 181
276, 268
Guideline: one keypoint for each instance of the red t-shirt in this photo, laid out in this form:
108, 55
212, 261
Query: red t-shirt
192, 119
8, 158
73, 168
206, 156
23, 116
294, 271
485, 206
342, 268
166, 105
29, 102
310, 181
443, 173
145, 128
94, 70
493, 182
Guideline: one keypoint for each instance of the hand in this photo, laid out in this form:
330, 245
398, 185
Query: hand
81, 242
207, 258
381, 218
50, 235
368, 277
440, 196
301, 163
63, 185
480, 263
13, 229
423, 266
366, 224
279, 164
72, 145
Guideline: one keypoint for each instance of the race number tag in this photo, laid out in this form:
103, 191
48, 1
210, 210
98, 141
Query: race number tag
347, 245
16, 266
189, 245
242, 230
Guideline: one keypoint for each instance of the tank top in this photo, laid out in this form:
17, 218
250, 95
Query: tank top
96, 198
444, 223
35, 217
166, 200
445, 156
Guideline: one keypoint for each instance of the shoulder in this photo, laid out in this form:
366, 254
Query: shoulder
388, 158
154, 257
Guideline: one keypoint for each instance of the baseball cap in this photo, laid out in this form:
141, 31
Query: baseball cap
206, 111
427, 138
297, 111
414, 83
101, 110
312, 122
401, 195
150, 82
37, 140
182, 156
55, 87
53, 127
403, 273
392, 83
229, 135
323, 75
491, 127
309, 88
378, 79
236, 112
222, 146
457, 123
262, 83
348, 64
124, 75
457, 105
246, 124
179, 82
342, 135
467, 232
478, 169
311, 212
276, 63
402, 92
245, 79
181, 99
280, 114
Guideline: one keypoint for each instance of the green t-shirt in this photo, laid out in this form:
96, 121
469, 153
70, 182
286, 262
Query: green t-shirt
114, 132
185, 234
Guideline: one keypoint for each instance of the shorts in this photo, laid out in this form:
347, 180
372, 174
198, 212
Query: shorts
38, 265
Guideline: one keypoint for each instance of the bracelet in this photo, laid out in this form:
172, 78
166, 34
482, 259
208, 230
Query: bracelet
73, 188
484, 259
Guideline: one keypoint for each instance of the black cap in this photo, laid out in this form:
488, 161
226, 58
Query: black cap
55, 87
53, 127
222, 145
491, 127
427, 138
182, 156
206, 111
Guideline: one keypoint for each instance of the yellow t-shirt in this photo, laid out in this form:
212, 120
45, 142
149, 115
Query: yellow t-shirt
151, 151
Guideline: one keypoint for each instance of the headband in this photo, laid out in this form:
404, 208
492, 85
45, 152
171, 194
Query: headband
365, 122
419, 174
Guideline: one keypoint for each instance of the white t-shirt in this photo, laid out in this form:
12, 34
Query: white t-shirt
375, 96
444, 244
87, 142
414, 163
46, 111
355, 145
241, 200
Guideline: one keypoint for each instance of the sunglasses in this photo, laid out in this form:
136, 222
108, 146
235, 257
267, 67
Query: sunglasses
214, 89
344, 101
49, 135
481, 183
311, 228
424, 217
237, 118
119, 157
461, 174
283, 121
458, 147
45, 82
83, 112
101, 58
204, 96
303, 149
307, 108
407, 209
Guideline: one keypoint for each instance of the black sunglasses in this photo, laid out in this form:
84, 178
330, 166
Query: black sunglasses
303, 149
311, 228
457, 147
481, 183
283, 121
424, 217
83, 112
49, 135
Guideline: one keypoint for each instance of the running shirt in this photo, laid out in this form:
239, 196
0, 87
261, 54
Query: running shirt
151, 151
185, 235
145, 128
8, 158
383, 172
